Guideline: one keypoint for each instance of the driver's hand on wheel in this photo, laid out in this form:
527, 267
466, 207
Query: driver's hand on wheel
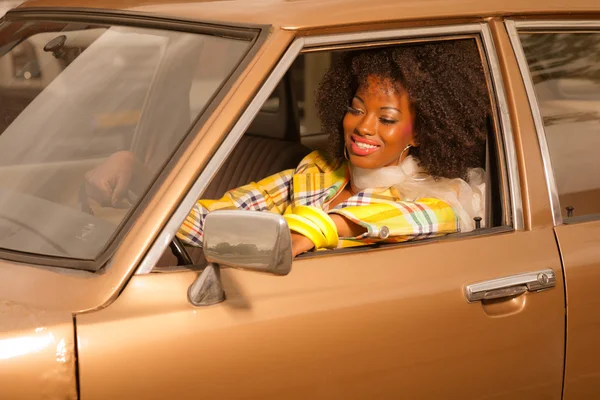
109, 182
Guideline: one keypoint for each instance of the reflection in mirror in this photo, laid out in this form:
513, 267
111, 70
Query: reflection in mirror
253, 240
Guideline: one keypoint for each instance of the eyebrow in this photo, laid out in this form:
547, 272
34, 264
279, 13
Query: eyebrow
382, 108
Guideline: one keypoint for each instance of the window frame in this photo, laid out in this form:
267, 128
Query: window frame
514, 27
254, 34
506, 148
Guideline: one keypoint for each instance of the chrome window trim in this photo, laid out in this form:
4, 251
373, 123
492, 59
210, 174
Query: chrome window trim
362, 37
512, 29
497, 81
169, 231
512, 166
556, 24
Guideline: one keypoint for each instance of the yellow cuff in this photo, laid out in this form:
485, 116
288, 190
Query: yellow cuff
322, 221
307, 228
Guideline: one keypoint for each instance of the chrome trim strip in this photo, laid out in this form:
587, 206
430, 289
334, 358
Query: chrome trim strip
537, 119
510, 152
390, 34
169, 231
556, 24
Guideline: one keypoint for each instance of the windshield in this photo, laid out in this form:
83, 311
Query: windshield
72, 95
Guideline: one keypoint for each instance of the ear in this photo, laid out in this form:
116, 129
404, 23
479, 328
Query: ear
413, 140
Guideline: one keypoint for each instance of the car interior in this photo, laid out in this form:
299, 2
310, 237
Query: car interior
275, 142
283, 132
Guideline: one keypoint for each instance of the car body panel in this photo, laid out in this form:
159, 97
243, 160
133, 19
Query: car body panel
318, 14
351, 325
37, 353
580, 250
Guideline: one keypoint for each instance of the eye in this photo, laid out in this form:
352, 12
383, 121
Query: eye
387, 121
354, 111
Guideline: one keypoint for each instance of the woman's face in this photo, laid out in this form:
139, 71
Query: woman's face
378, 124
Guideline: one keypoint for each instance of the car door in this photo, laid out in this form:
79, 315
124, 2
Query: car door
383, 322
559, 61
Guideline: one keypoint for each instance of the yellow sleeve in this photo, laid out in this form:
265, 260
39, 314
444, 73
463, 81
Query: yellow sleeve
401, 220
270, 194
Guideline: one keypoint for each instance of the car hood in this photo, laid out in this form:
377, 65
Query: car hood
37, 353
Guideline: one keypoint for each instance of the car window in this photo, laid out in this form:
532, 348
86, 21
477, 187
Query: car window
304, 75
72, 95
565, 70
279, 139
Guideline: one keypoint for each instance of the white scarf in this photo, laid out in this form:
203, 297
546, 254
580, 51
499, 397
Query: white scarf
409, 182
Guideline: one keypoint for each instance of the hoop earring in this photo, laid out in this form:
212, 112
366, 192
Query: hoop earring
346, 156
412, 177
408, 146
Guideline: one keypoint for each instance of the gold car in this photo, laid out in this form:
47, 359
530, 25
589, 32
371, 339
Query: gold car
103, 302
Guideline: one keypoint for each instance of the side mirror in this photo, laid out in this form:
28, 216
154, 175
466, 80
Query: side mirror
251, 240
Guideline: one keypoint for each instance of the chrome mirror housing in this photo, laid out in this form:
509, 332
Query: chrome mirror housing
250, 240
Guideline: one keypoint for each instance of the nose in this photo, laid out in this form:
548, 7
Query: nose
367, 125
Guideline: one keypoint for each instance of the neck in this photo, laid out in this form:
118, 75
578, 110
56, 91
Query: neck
381, 178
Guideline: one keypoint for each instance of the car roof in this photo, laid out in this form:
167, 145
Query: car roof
312, 14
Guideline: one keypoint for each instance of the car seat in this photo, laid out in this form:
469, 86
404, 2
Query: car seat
270, 145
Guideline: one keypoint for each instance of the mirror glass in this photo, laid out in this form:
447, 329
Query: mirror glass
254, 240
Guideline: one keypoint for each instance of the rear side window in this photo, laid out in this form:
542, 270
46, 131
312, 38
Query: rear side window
565, 70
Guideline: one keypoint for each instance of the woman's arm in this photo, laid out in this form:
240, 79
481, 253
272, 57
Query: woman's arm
300, 244
403, 220
270, 194
345, 228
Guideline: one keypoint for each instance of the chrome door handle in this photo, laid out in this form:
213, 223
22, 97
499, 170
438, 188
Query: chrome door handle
510, 286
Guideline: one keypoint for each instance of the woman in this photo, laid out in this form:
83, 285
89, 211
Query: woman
407, 126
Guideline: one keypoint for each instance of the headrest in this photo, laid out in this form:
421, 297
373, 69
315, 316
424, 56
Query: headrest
278, 117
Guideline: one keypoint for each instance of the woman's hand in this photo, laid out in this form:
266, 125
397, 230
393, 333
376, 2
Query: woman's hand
300, 244
109, 182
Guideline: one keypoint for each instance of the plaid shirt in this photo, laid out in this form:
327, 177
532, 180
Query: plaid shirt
317, 181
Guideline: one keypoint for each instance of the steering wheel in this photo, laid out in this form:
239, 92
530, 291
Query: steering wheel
180, 252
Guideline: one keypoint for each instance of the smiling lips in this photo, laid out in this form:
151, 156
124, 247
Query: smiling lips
363, 147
